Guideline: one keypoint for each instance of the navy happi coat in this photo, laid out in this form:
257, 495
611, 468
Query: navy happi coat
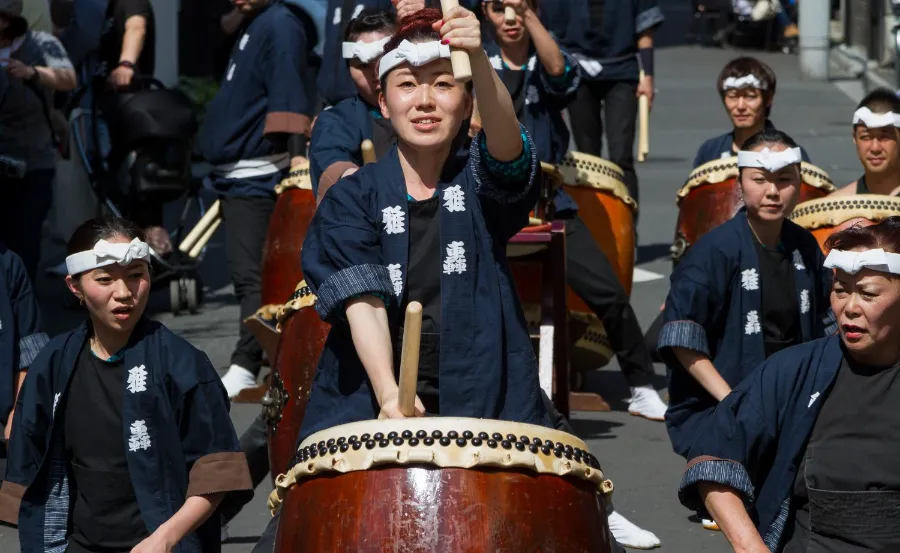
756, 438
714, 307
179, 439
358, 244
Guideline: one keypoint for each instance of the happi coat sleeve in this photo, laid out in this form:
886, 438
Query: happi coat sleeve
756, 437
336, 142
342, 254
286, 76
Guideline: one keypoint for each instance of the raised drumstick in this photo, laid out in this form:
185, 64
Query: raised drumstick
459, 59
203, 225
643, 126
409, 358
368, 151
509, 14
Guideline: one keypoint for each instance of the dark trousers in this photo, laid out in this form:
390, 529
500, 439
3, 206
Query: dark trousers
652, 338
255, 445
609, 106
24, 205
591, 276
266, 543
246, 220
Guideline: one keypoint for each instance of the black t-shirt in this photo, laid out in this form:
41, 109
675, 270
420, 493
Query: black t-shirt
852, 448
780, 313
423, 284
117, 13
105, 514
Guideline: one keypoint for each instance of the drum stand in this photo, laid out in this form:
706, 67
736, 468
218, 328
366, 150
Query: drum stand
553, 334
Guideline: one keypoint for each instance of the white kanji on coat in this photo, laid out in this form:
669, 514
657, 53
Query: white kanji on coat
531, 95
532, 63
804, 301
455, 199
396, 278
752, 326
244, 40
798, 261
137, 379
497, 63
139, 439
230, 72
455, 262
394, 220
56, 401
750, 279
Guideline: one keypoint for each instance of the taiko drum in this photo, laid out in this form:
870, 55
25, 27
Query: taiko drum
825, 216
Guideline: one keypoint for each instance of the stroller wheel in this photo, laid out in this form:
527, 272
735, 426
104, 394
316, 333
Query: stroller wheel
175, 295
191, 296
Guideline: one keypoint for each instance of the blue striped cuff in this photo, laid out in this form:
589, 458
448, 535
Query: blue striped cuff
715, 471
29, 348
648, 19
504, 182
830, 323
683, 334
351, 282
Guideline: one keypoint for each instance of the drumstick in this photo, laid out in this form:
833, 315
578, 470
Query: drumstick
644, 125
459, 59
368, 151
509, 14
212, 214
409, 358
203, 240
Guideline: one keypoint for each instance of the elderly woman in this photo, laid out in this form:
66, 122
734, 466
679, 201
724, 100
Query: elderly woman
33, 64
801, 455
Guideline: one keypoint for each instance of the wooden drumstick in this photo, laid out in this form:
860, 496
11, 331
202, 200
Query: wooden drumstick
643, 126
368, 151
509, 14
459, 59
208, 220
409, 358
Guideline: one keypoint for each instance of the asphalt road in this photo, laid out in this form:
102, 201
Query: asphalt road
634, 452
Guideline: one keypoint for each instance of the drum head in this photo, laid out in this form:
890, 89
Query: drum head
581, 170
832, 211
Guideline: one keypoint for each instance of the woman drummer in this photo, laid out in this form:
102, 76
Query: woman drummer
122, 439
747, 89
745, 290
541, 79
875, 135
802, 455
427, 224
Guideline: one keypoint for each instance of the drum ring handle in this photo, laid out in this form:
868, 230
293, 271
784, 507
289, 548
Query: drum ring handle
274, 400
679, 247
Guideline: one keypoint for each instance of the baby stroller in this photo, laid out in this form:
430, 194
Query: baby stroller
136, 148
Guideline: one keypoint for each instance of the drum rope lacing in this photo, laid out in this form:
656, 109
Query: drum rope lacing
830, 211
495, 449
298, 178
718, 171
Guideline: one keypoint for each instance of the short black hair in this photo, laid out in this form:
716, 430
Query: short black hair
93, 230
881, 100
370, 20
769, 136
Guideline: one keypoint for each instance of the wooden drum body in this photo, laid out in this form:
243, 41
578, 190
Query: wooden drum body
712, 196
598, 187
429, 485
303, 335
281, 270
825, 216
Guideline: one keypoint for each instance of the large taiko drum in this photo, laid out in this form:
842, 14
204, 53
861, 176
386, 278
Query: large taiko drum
303, 335
825, 216
712, 196
433, 484
598, 187
293, 212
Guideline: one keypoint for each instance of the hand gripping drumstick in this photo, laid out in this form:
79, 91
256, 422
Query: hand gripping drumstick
509, 14
459, 59
409, 358
368, 151
643, 126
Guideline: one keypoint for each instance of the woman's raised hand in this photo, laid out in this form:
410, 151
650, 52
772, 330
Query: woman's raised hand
460, 29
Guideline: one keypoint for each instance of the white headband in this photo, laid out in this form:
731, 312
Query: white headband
747, 81
417, 55
853, 262
769, 160
875, 120
107, 253
364, 51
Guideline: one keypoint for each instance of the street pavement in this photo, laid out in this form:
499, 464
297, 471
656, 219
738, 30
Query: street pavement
635, 453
